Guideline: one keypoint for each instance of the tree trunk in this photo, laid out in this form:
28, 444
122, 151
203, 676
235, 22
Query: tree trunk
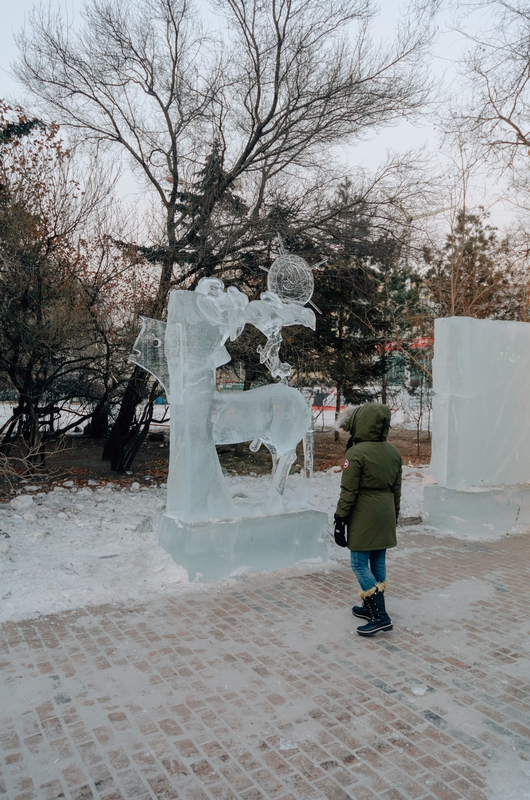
420, 419
337, 412
121, 434
40, 456
139, 434
98, 427
339, 343
383, 375
8, 433
33, 434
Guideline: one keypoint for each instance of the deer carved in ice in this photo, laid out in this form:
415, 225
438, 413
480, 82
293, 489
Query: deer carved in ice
184, 354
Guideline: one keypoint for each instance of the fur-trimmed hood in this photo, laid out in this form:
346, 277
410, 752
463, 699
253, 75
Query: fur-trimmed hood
344, 418
367, 423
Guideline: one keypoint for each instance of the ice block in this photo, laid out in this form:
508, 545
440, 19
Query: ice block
481, 410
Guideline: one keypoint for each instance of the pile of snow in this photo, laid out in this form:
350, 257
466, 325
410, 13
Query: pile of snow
73, 547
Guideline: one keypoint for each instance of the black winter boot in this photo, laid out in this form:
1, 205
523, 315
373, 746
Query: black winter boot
363, 611
379, 619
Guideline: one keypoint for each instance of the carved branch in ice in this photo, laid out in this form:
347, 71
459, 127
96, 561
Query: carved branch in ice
269, 315
269, 355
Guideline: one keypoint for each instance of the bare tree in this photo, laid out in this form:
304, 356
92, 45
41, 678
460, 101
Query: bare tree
62, 333
209, 124
475, 273
493, 114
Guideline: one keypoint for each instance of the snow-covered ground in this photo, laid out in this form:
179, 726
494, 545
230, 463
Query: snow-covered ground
72, 547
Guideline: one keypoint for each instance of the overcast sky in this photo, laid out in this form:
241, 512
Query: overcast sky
370, 154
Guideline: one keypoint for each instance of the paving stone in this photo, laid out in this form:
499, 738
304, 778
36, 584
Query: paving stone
261, 690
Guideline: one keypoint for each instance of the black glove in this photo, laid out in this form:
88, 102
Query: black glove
341, 524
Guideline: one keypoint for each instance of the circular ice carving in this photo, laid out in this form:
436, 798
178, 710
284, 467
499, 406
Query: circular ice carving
291, 278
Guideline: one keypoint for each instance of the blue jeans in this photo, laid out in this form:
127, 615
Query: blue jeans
368, 567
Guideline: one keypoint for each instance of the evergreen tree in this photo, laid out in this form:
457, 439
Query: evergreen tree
369, 300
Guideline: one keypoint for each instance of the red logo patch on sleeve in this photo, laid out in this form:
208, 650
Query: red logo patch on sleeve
346, 464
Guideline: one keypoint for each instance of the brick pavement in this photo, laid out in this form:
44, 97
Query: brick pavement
263, 690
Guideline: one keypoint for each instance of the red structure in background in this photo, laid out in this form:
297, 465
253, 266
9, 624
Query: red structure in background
422, 341
417, 344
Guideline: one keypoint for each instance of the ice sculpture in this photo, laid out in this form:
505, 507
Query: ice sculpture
481, 427
149, 352
203, 528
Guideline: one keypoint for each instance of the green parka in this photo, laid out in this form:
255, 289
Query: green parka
371, 481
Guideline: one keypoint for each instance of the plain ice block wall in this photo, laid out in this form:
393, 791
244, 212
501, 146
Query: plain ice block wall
262, 544
478, 514
481, 411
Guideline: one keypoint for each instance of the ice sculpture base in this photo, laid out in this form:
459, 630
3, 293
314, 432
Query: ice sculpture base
479, 513
261, 544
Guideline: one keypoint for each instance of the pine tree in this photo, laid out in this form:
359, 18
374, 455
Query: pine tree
369, 301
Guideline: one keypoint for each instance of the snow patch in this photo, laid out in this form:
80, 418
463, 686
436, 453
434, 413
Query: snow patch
70, 547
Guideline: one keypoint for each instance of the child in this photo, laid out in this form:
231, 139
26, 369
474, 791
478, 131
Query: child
368, 508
